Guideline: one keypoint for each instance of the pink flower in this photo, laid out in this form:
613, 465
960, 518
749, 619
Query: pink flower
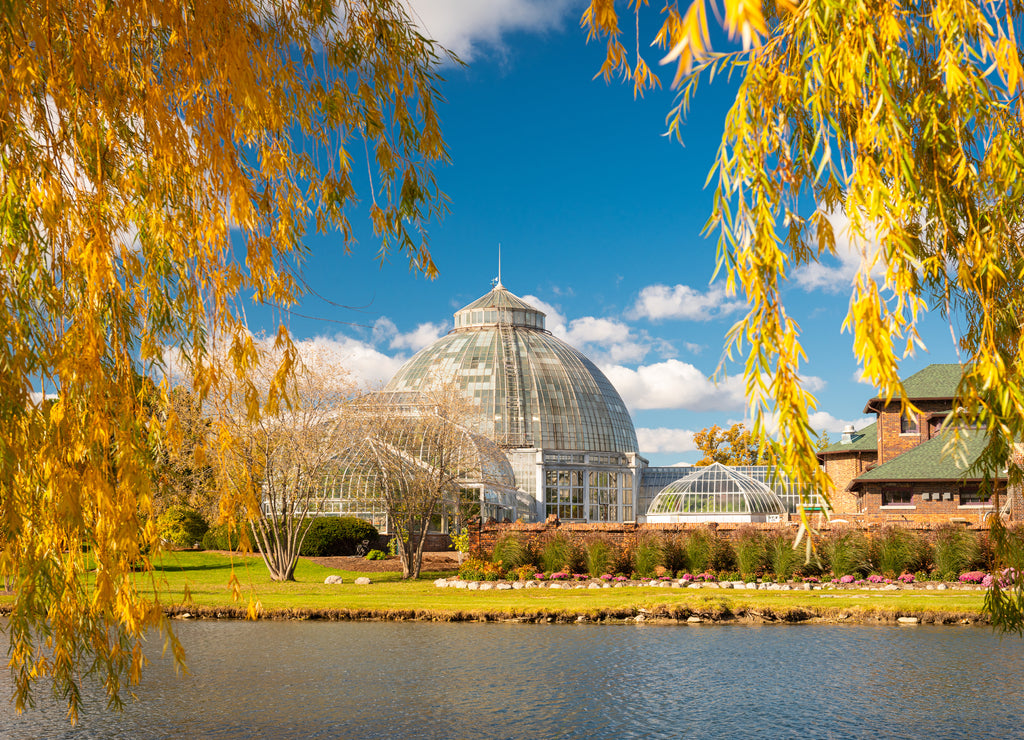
687, 577
847, 579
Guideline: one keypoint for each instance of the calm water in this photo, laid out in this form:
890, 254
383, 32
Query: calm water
373, 680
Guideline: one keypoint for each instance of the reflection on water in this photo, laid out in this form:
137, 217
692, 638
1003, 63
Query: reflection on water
361, 680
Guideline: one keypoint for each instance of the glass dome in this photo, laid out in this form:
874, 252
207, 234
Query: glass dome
715, 493
529, 388
351, 486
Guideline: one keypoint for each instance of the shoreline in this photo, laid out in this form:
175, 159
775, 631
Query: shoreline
661, 614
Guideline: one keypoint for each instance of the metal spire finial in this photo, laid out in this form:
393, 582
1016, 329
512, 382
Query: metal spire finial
498, 284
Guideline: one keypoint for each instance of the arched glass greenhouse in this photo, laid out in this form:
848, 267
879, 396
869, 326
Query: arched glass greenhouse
715, 494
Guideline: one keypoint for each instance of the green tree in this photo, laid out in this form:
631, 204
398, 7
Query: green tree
162, 161
904, 119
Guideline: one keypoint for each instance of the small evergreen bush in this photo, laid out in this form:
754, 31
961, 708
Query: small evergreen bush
328, 536
674, 553
225, 536
700, 551
182, 526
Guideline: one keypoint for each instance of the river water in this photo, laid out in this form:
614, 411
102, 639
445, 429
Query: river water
388, 680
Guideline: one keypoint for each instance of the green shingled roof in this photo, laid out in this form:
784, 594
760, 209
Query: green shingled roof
864, 440
931, 461
934, 381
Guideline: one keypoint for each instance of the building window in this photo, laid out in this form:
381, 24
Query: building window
975, 497
908, 424
604, 497
563, 493
897, 497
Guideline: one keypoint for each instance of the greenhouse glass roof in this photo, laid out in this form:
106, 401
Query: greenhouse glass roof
528, 388
715, 489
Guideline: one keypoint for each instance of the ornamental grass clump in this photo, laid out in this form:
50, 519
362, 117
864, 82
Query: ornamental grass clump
556, 553
782, 559
598, 556
749, 547
647, 555
512, 552
847, 552
956, 550
700, 551
896, 550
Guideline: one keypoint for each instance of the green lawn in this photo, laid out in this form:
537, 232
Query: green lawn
201, 583
206, 576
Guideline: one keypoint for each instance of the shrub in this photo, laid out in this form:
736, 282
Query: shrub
847, 553
512, 552
750, 551
182, 526
376, 555
227, 536
897, 550
647, 555
780, 555
956, 550
557, 553
328, 536
674, 553
477, 569
723, 555
599, 557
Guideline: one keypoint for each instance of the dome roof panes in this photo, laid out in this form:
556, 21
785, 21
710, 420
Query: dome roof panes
715, 493
530, 389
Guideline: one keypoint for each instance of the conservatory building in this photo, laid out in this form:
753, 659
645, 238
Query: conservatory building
716, 493
562, 426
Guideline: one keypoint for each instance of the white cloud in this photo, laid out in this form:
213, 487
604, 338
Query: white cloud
422, 336
853, 254
673, 384
821, 421
657, 302
463, 26
665, 440
554, 320
367, 365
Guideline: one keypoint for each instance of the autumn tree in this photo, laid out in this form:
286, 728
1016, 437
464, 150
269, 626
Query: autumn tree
732, 446
906, 120
162, 162
183, 474
274, 464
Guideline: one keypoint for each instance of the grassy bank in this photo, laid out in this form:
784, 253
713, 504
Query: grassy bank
198, 584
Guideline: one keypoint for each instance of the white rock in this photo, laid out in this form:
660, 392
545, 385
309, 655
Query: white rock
605, 584
785, 587
751, 585
694, 585
694, 620
930, 587
725, 584
473, 585
486, 586
594, 585
891, 587
908, 620
504, 586
941, 587
441, 583
640, 618
554, 585
338, 579
618, 584
517, 585
460, 584
712, 584
363, 581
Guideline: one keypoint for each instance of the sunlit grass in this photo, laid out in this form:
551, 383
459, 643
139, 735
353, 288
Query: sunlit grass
206, 577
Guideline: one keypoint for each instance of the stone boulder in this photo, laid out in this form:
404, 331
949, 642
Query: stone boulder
333, 579
363, 581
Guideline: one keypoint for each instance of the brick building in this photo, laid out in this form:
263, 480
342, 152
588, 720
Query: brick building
909, 466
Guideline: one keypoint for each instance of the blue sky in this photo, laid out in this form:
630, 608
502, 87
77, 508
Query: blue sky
599, 216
